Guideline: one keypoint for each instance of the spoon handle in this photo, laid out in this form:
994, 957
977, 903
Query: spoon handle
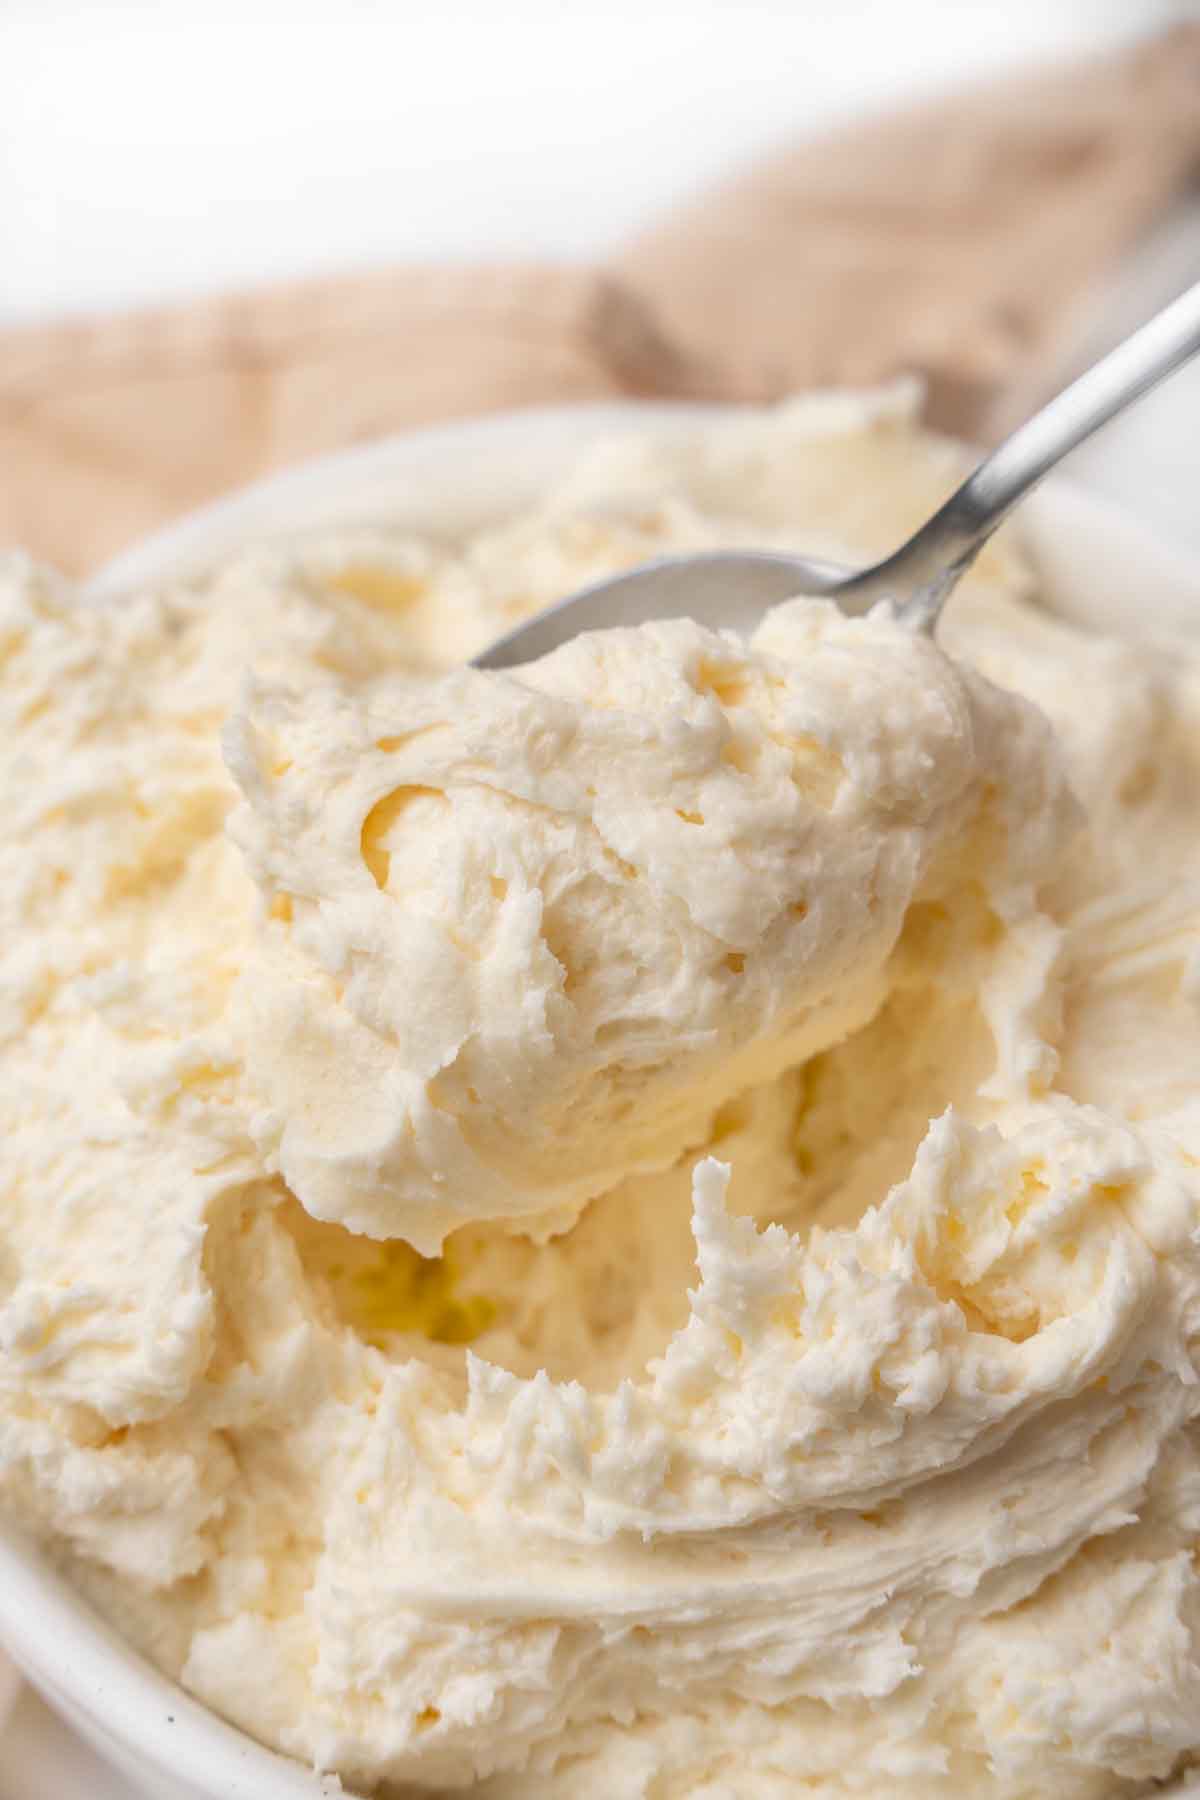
925, 569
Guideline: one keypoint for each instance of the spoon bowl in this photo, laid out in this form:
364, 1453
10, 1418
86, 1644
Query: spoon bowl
718, 589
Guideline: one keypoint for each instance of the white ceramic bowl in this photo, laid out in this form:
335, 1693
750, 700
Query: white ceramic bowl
1100, 567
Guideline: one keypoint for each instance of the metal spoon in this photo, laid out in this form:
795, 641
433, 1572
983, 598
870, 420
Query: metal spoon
735, 587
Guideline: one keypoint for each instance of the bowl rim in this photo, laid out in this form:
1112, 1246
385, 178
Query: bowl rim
357, 486
477, 468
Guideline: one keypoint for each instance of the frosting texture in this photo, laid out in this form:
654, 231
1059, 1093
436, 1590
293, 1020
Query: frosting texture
630, 1227
525, 933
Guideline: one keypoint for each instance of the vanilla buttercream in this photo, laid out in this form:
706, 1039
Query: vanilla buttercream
524, 933
802, 1397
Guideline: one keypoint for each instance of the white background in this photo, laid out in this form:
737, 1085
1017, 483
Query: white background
151, 149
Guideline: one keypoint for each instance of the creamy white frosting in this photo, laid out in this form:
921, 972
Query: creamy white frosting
524, 933
845, 1442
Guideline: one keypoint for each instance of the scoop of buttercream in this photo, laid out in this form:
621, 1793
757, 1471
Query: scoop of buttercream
523, 933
